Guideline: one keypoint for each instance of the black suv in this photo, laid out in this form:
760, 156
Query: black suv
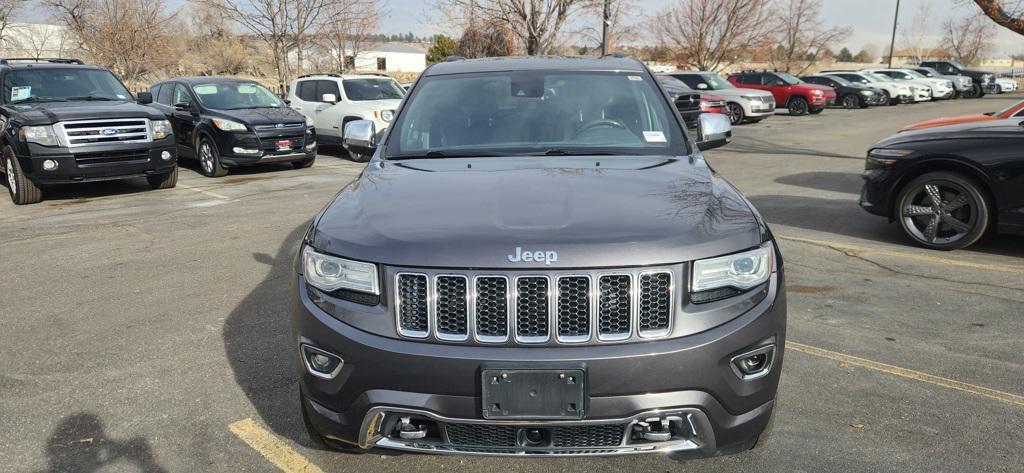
64, 121
850, 94
982, 82
224, 122
538, 260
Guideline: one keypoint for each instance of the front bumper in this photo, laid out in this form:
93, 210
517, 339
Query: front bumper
876, 99
384, 379
756, 109
245, 149
875, 195
96, 162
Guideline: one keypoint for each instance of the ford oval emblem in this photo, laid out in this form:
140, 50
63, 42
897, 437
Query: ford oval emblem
279, 125
108, 131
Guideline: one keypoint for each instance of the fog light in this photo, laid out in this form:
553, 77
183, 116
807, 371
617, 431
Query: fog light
311, 145
238, 150
754, 364
320, 363
49, 165
165, 155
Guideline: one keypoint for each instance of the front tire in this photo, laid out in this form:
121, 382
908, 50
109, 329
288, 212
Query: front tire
999, 89
943, 210
359, 158
735, 113
164, 181
797, 106
209, 159
851, 102
975, 92
23, 191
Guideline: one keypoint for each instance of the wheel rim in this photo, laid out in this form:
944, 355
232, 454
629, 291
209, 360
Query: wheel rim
798, 107
850, 102
939, 212
735, 112
206, 157
11, 181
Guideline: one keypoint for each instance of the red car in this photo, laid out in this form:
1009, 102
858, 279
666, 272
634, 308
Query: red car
1013, 111
790, 92
711, 103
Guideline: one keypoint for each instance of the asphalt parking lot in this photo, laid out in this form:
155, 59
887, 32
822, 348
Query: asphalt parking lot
147, 330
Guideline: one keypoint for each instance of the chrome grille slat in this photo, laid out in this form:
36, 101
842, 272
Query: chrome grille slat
90, 132
528, 308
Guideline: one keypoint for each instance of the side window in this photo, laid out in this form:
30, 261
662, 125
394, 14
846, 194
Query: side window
307, 91
1019, 114
691, 81
769, 79
326, 87
181, 95
155, 91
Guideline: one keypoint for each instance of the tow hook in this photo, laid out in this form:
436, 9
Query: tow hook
655, 429
409, 431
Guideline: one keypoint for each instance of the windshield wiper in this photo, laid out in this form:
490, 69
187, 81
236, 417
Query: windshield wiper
39, 99
91, 98
444, 154
565, 152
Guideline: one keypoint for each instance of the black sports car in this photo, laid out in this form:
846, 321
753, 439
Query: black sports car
947, 185
850, 94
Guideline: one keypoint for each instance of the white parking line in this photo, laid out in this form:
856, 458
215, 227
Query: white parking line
204, 192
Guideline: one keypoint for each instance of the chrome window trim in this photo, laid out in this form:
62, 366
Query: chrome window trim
509, 315
633, 309
432, 314
591, 314
398, 307
515, 314
672, 300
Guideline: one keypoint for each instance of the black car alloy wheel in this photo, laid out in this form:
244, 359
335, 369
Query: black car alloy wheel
209, 159
735, 113
851, 101
943, 211
797, 106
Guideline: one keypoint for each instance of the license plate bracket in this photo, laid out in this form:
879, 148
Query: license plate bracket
533, 394
283, 145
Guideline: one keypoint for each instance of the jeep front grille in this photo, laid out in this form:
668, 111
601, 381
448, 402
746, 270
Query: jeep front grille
530, 308
95, 132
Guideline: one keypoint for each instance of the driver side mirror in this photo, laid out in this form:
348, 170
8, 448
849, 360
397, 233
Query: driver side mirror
329, 98
713, 131
360, 137
144, 98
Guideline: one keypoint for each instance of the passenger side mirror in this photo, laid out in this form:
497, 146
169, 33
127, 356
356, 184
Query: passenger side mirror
360, 137
702, 86
144, 98
329, 98
713, 131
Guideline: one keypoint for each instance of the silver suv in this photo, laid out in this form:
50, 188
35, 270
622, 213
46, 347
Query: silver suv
742, 105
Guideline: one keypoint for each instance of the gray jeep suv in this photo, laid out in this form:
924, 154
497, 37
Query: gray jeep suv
539, 261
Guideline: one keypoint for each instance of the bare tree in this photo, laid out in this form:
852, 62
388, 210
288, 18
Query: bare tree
968, 40
133, 38
623, 22
485, 41
348, 29
8, 9
536, 24
913, 37
709, 34
213, 45
38, 40
1006, 13
802, 38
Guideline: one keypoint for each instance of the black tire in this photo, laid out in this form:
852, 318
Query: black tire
735, 113
797, 106
209, 165
164, 181
319, 442
359, 158
960, 218
888, 100
852, 101
305, 163
999, 89
975, 92
23, 191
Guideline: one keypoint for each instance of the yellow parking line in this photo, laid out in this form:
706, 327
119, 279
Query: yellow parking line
204, 192
845, 247
907, 373
272, 448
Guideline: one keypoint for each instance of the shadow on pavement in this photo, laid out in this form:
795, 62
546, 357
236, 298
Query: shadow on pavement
825, 180
748, 145
257, 342
80, 444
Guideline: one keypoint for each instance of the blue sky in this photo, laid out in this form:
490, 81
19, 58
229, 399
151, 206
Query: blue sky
871, 19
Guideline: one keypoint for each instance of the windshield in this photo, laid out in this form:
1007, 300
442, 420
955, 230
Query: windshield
535, 112
372, 89
716, 82
873, 77
839, 80
61, 85
913, 74
788, 78
928, 72
236, 96
957, 65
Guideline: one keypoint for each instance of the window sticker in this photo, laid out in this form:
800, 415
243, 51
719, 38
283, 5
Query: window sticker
634, 78
21, 93
121, 96
209, 89
654, 137
247, 89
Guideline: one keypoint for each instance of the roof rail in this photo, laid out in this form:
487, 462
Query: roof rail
55, 60
315, 74
454, 58
615, 54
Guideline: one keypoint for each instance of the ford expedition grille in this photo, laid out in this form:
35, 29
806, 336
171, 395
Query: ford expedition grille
528, 308
94, 132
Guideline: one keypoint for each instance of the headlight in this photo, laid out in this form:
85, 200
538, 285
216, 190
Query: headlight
330, 273
816, 92
867, 92
228, 125
741, 270
161, 129
309, 122
385, 115
43, 135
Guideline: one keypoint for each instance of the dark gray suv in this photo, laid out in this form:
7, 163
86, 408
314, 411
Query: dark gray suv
538, 260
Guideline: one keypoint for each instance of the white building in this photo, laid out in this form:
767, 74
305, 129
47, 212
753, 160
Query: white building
391, 57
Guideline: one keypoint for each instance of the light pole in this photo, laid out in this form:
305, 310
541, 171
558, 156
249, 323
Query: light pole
895, 21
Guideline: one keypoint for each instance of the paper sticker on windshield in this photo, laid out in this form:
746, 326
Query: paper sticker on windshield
121, 96
247, 89
654, 137
208, 89
634, 78
21, 93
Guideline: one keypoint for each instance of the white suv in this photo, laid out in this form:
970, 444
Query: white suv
332, 100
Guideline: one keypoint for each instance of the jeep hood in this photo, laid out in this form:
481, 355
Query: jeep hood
594, 212
53, 112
